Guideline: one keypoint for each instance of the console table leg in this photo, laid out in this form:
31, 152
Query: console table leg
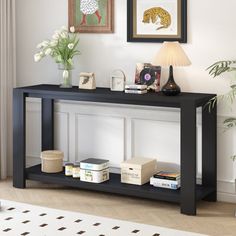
188, 158
209, 146
47, 124
18, 139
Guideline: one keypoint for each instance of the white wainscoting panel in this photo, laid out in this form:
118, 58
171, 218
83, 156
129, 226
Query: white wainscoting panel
156, 139
226, 148
33, 133
61, 133
101, 137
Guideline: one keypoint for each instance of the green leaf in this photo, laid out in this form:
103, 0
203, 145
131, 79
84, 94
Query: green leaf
233, 157
220, 67
230, 123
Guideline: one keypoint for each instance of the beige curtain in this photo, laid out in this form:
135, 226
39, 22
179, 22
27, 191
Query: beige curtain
7, 82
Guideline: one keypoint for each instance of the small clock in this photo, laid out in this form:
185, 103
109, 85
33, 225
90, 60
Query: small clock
117, 82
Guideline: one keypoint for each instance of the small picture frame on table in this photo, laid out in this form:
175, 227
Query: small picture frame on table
87, 81
147, 74
117, 81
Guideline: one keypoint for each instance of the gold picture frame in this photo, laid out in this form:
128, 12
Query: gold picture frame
95, 17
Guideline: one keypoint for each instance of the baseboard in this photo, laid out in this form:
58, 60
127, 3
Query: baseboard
226, 197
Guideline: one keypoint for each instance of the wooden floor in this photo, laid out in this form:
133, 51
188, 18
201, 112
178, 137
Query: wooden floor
212, 219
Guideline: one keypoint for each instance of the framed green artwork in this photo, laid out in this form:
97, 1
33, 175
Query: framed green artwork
92, 16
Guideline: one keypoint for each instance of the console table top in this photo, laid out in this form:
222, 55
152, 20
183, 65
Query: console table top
105, 95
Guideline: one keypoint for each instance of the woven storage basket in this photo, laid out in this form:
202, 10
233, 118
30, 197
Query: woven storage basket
52, 161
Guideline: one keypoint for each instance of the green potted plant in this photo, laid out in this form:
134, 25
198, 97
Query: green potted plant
216, 70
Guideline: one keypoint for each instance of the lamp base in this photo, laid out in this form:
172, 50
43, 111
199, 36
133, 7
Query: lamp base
171, 88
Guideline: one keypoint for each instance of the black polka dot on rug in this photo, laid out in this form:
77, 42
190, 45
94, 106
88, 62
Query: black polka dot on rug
78, 221
43, 214
25, 233
116, 227
96, 224
26, 211
81, 232
43, 225
11, 208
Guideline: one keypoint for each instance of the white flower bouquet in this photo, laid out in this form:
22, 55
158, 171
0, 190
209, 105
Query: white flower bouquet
62, 48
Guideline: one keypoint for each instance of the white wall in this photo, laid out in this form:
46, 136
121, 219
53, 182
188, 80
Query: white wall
211, 37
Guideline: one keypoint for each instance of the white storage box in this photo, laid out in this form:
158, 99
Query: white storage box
94, 164
138, 170
94, 176
52, 161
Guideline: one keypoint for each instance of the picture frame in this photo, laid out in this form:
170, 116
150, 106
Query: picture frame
156, 20
87, 81
117, 81
147, 74
91, 16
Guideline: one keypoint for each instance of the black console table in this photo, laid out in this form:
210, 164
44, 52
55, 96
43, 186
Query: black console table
189, 193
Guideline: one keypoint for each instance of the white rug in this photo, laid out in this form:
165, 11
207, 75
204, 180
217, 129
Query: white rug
22, 219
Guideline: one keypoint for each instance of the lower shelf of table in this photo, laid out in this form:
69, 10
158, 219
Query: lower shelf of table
115, 186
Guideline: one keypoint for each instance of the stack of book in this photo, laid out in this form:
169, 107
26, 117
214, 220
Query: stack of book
136, 88
165, 179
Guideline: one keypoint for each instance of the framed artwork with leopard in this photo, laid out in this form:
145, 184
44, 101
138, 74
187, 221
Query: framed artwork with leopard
92, 16
157, 20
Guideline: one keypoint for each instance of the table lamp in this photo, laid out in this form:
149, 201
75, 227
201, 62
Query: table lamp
171, 54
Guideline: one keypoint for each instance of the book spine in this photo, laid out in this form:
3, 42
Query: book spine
169, 186
136, 86
154, 181
135, 91
166, 177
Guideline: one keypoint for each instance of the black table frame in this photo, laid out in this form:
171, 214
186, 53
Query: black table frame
187, 102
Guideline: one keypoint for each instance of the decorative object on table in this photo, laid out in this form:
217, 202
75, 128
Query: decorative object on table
69, 169
138, 170
92, 16
171, 54
157, 21
62, 48
136, 88
52, 161
87, 81
117, 81
166, 179
76, 171
94, 170
147, 74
